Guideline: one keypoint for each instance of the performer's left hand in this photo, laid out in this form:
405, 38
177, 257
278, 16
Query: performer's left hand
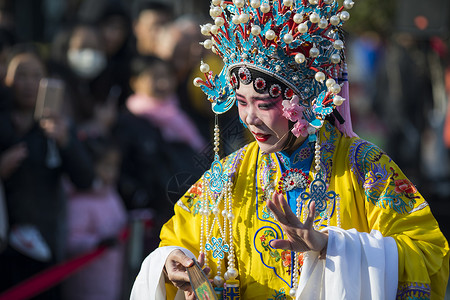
300, 236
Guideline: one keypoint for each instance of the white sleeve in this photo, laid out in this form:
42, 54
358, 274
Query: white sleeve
150, 282
358, 265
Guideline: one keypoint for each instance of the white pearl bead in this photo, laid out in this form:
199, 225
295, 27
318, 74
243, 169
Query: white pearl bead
338, 44
288, 38
323, 23
261, 60
215, 11
345, 16
230, 216
270, 34
300, 58
313, 2
334, 20
255, 3
287, 3
224, 213
298, 18
214, 50
216, 2
226, 276
320, 77
338, 100
335, 88
239, 3
219, 21
335, 58
197, 81
278, 68
330, 82
314, 52
235, 19
216, 149
245, 56
292, 292
232, 273
314, 17
348, 4
219, 281
215, 210
256, 30
265, 7
205, 29
243, 18
303, 27
208, 44
204, 68
214, 29
328, 1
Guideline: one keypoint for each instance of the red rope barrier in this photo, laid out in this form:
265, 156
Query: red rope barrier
52, 276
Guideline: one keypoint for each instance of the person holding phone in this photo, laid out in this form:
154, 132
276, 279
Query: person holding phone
34, 155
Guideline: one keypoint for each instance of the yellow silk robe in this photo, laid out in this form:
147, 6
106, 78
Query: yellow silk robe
374, 194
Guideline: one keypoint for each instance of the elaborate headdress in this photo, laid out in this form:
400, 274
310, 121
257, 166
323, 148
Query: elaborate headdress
292, 48
297, 42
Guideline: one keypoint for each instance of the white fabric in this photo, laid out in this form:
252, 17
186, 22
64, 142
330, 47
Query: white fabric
358, 266
150, 282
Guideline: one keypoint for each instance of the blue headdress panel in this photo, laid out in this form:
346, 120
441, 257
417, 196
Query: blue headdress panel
297, 42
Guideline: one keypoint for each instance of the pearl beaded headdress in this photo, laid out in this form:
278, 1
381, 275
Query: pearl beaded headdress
297, 42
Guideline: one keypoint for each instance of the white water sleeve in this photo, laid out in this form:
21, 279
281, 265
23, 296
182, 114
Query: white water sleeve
150, 282
358, 265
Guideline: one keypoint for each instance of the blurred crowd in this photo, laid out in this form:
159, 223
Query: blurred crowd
101, 131
121, 132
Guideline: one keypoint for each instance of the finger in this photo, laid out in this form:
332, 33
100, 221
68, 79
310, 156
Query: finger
201, 259
312, 212
181, 258
182, 285
276, 209
206, 270
281, 244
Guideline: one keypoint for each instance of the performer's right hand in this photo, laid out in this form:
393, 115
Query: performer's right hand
175, 267
176, 264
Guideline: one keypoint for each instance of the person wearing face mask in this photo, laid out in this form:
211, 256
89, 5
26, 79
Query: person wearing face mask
308, 210
92, 87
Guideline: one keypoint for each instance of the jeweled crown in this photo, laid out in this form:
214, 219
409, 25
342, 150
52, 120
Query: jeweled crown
297, 42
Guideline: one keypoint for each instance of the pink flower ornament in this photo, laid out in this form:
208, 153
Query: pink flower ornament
294, 113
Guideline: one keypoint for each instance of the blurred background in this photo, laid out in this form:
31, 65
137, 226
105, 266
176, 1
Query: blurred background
126, 105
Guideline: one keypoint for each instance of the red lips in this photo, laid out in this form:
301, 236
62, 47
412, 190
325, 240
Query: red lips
260, 137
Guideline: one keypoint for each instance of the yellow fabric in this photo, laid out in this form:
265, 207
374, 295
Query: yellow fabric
374, 194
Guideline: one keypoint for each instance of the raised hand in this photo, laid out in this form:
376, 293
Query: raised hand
300, 236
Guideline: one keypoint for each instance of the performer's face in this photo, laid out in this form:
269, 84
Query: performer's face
263, 116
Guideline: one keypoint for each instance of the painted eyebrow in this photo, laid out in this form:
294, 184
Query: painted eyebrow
267, 98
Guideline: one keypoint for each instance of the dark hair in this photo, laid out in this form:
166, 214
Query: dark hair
140, 64
157, 6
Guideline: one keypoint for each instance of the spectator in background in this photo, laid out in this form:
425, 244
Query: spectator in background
96, 217
150, 23
158, 141
80, 58
34, 155
153, 82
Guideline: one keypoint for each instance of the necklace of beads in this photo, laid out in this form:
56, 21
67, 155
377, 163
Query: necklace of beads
216, 211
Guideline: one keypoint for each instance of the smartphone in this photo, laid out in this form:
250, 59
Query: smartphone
50, 97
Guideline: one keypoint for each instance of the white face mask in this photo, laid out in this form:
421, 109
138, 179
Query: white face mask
86, 63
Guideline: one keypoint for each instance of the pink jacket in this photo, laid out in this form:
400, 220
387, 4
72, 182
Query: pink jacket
94, 216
